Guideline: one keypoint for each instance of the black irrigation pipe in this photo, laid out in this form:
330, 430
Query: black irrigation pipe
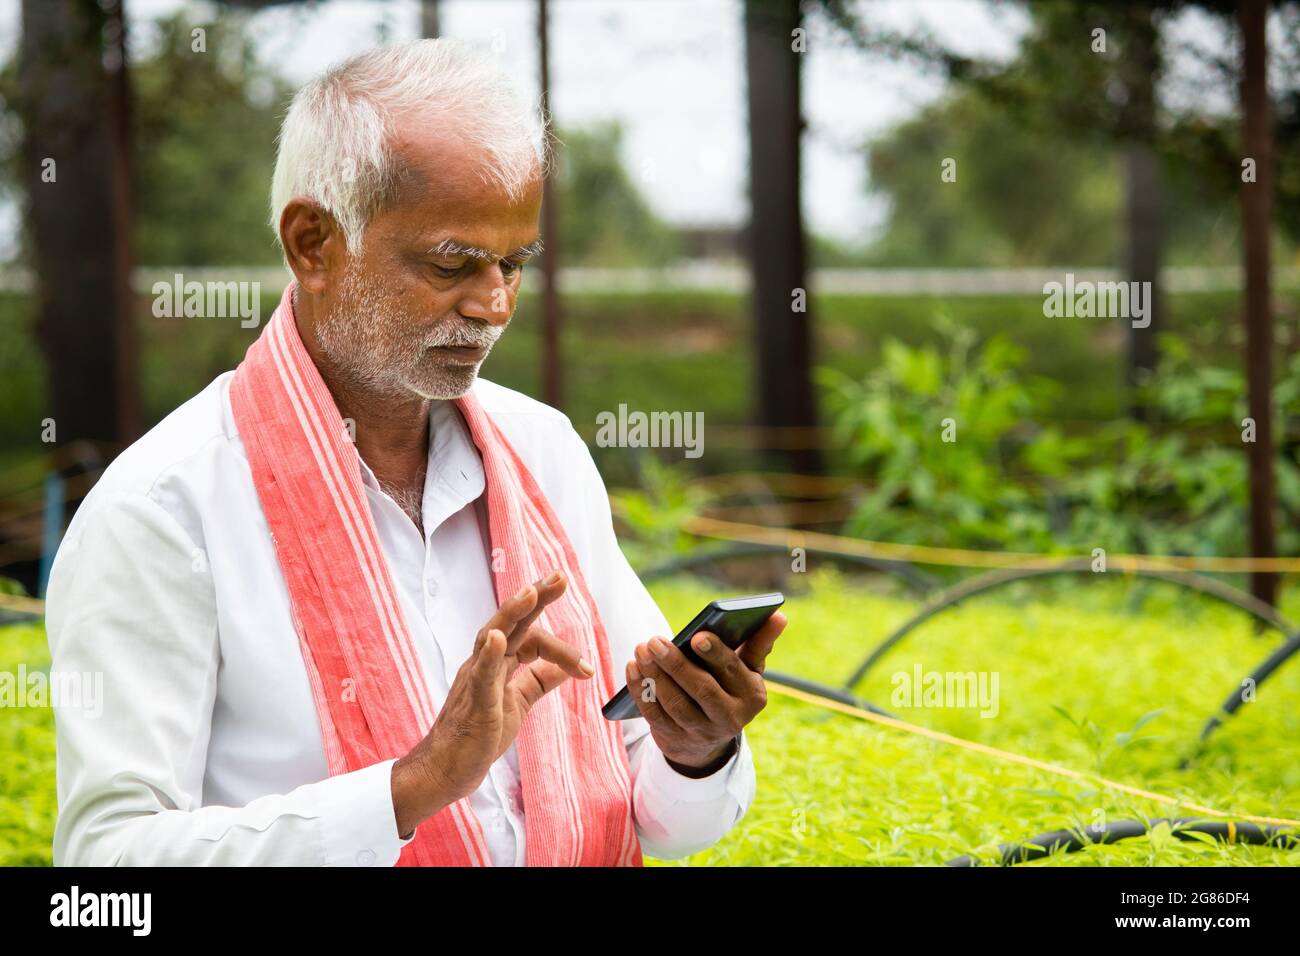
950, 597
1200, 583
1069, 841
1235, 699
822, 690
918, 580
1072, 840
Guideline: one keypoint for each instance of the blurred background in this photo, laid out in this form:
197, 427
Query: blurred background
829, 227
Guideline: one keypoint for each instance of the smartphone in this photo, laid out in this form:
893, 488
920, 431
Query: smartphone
734, 620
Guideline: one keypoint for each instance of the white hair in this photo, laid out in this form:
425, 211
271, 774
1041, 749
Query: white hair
335, 146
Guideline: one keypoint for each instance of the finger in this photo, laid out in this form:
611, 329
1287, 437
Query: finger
723, 663
720, 707
645, 694
510, 612
536, 680
541, 643
670, 696
517, 613
755, 650
485, 688
548, 590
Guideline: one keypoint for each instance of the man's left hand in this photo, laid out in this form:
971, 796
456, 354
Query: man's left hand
696, 712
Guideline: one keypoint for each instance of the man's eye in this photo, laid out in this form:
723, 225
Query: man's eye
509, 268
447, 272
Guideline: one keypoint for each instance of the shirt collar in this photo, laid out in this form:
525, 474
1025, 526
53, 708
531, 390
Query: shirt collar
454, 475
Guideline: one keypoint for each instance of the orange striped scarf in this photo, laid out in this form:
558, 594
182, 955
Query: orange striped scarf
371, 695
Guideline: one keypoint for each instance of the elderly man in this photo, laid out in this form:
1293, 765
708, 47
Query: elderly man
355, 605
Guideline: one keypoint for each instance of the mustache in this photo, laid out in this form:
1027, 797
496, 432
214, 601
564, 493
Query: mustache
459, 333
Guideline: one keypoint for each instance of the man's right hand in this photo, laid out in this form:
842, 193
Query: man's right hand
512, 665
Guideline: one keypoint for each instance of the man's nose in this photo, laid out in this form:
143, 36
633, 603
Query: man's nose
488, 297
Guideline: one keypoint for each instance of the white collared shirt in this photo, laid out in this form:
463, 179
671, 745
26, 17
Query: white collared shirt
208, 748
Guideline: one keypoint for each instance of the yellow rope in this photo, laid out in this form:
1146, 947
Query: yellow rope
15, 602
959, 557
903, 725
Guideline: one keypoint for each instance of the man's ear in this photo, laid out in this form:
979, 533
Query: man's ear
313, 243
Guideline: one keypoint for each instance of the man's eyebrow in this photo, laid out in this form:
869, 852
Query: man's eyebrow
454, 247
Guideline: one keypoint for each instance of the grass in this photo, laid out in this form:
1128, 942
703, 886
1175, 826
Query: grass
834, 790
28, 804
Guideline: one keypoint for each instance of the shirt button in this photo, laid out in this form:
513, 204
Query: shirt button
365, 858
432, 587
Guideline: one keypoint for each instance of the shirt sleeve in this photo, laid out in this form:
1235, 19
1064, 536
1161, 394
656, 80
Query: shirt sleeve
675, 815
131, 613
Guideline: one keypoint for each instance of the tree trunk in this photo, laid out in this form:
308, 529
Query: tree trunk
783, 375
429, 19
1256, 228
552, 361
74, 160
1143, 194
126, 339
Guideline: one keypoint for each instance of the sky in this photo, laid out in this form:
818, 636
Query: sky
671, 71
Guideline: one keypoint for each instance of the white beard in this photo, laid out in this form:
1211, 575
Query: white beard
367, 339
